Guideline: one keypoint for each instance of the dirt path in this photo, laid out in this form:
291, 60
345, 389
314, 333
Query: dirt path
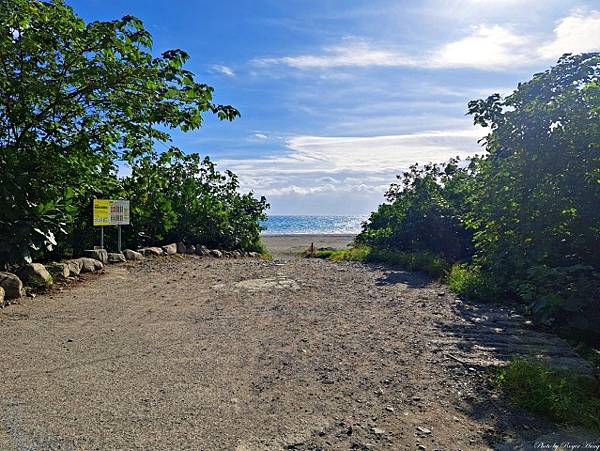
188, 353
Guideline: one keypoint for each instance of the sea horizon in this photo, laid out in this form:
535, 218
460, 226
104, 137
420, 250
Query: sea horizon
313, 224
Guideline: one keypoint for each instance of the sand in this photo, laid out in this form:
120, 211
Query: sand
283, 246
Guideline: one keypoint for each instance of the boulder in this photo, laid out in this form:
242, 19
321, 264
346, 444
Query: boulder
253, 254
181, 248
151, 251
97, 254
170, 249
202, 250
132, 255
216, 253
236, 254
59, 270
116, 257
191, 249
34, 275
1, 297
90, 264
12, 285
74, 266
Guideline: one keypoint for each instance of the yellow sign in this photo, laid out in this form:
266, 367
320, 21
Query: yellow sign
111, 212
101, 212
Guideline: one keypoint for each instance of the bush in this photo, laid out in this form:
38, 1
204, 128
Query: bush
178, 197
424, 262
522, 222
425, 213
558, 396
471, 283
79, 100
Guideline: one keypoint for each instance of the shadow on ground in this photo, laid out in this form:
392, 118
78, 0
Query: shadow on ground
485, 337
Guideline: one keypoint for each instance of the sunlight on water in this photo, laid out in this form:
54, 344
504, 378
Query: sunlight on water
277, 225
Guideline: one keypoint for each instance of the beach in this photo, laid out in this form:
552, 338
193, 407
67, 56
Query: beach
293, 244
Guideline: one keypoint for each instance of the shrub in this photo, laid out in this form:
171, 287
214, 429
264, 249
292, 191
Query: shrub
424, 262
522, 221
81, 99
472, 283
559, 396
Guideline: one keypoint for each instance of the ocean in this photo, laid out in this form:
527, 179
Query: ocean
281, 225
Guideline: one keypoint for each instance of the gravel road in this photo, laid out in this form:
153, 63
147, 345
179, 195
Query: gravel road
206, 354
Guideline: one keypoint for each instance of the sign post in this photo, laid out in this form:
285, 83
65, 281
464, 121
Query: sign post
111, 212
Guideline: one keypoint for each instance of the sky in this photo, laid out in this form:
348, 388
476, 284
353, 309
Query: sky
337, 97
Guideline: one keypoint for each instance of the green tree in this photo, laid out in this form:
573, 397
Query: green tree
538, 197
76, 99
426, 212
178, 197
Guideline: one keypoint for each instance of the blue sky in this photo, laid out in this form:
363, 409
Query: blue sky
337, 97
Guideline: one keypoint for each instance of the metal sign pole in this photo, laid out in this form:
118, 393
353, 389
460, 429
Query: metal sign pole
119, 240
101, 237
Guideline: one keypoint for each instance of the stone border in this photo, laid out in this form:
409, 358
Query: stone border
34, 276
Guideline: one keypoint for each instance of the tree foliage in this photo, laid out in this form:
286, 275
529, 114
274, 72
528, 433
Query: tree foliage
527, 213
78, 99
426, 212
178, 197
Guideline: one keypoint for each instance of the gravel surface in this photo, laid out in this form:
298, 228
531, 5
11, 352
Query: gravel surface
205, 354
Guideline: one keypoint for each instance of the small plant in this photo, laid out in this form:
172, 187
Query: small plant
424, 262
472, 283
560, 396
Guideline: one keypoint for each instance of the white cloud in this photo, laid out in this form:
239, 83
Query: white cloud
221, 69
378, 152
486, 47
351, 53
578, 33
261, 136
330, 166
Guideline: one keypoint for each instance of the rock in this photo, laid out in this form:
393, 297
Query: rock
59, 271
236, 254
90, 264
170, 249
132, 255
151, 251
34, 275
253, 254
74, 266
227, 254
12, 285
1, 297
97, 254
116, 257
181, 248
202, 250
424, 430
216, 253
377, 431
191, 249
